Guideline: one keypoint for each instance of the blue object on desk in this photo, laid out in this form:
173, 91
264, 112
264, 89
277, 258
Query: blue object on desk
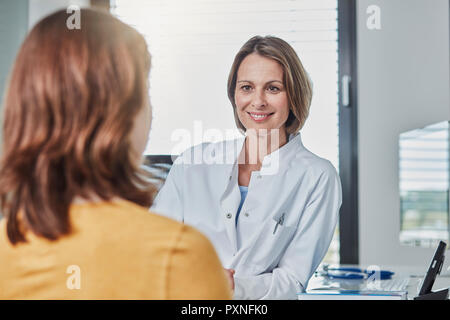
354, 273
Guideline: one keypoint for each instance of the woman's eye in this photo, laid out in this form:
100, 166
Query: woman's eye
246, 88
274, 89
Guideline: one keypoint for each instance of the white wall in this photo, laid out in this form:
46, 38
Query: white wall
38, 9
403, 83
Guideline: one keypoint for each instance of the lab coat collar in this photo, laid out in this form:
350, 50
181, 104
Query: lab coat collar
281, 158
272, 163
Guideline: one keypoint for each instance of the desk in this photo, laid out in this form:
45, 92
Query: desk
415, 274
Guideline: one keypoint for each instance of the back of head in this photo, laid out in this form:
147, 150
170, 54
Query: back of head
69, 109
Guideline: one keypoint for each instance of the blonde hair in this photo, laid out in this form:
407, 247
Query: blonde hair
296, 80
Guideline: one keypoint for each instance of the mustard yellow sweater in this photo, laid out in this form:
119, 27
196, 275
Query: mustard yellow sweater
117, 250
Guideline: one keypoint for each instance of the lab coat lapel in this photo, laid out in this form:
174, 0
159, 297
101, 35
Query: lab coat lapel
278, 161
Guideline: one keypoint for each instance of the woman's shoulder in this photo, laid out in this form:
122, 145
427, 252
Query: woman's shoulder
305, 160
123, 223
129, 216
151, 226
123, 217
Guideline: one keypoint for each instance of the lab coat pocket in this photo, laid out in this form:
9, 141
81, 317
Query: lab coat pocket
270, 244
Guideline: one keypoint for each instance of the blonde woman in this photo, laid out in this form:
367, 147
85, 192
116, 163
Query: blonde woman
76, 224
268, 204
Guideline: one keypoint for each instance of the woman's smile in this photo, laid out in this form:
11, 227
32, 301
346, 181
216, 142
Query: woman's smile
260, 116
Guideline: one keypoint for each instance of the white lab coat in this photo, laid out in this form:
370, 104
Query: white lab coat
202, 190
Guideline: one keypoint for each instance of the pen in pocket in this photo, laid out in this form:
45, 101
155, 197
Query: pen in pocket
279, 222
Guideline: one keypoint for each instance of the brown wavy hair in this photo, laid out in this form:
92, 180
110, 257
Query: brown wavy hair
69, 109
296, 81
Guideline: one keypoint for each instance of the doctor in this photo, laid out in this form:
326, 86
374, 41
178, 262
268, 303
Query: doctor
268, 205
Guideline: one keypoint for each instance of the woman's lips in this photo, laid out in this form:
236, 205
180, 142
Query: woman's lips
259, 116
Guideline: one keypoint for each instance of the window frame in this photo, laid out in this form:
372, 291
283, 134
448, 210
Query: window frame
348, 134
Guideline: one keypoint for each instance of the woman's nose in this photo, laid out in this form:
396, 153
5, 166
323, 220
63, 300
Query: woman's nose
259, 99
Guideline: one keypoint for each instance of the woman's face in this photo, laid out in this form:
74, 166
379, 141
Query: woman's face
260, 96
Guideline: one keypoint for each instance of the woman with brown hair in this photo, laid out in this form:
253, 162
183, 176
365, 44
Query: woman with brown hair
76, 122
267, 203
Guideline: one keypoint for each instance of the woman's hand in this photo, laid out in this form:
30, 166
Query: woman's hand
230, 276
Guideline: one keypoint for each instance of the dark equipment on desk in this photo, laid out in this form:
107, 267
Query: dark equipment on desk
434, 269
